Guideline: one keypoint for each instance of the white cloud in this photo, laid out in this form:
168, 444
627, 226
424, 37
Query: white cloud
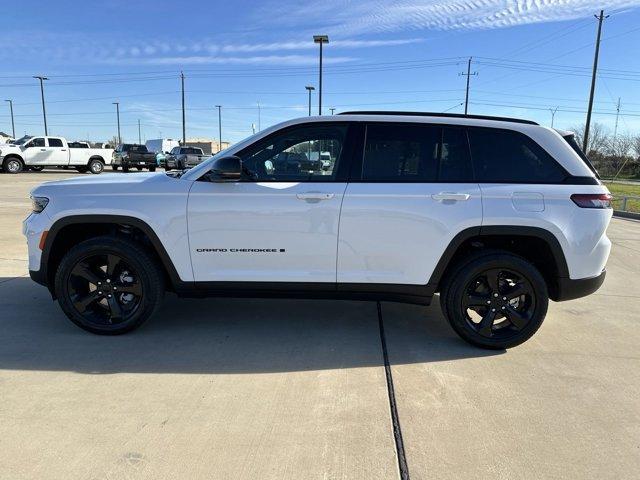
384, 16
205, 60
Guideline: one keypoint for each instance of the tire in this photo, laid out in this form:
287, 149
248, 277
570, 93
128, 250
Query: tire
495, 300
36, 168
95, 166
12, 165
125, 169
112, 300
152, 169
114, 168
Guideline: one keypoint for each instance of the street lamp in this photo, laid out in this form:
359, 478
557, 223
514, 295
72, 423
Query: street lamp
13, 127
44, 111
117, 104
310, 89
320, 39
219, 107
332, 110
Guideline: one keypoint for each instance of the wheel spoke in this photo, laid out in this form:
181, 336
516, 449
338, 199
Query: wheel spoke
112, 263
83, 270
484, 328
493, 279
516, 291
114, 308
82, 302
518, 319
476, 300
134, 288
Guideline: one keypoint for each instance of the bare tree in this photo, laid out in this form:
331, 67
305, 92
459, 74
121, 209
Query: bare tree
598, 138
636, 146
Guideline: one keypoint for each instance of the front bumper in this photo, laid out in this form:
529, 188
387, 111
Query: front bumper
569, 289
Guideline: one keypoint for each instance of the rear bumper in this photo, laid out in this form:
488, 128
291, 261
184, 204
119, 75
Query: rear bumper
569, 289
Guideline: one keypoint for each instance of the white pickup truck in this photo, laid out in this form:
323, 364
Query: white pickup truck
35, 153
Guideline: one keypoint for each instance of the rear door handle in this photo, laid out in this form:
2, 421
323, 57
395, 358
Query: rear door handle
458, 197
314, 196
43, 149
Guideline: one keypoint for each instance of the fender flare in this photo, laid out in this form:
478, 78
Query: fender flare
500, 230
63, 222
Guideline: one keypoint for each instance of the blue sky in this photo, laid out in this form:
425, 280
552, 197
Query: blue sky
530, 56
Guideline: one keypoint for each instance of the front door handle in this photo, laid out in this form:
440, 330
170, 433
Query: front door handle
43, 149
457, 197
314, 196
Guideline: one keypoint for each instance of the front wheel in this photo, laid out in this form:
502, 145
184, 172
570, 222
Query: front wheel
495, 300
108, 285
12, 165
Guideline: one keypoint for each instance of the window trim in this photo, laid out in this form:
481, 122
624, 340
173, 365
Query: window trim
346, 155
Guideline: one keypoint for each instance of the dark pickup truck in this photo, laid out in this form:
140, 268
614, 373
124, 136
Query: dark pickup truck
184, 157
128, 155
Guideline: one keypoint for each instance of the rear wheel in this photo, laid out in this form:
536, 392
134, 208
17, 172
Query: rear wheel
152, 169
12, 165
108, 285
95, 166
495, 300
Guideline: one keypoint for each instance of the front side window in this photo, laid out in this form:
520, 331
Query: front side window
397, 153
55, 142
507, 156
307, 153
37, 142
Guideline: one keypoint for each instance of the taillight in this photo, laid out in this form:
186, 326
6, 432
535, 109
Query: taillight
592, 200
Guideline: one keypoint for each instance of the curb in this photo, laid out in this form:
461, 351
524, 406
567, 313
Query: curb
620, 213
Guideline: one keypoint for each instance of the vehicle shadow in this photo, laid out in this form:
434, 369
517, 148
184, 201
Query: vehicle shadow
222, 336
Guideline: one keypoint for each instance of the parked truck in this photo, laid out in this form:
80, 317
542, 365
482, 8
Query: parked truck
36, 153
128, 155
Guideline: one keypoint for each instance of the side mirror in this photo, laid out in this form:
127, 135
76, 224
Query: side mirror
226, 169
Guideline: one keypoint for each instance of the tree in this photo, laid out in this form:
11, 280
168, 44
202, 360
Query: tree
598, 138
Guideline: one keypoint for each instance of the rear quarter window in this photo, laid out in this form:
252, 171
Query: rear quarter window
507, 156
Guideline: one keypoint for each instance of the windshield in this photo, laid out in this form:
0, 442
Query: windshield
21, 141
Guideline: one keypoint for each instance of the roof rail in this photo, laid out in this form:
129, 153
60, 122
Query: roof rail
442, 115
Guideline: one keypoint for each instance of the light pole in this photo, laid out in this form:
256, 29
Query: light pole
310, 89
321, 39
219, 107
117, 104
44, 111
259, 115
332, 110
13, 127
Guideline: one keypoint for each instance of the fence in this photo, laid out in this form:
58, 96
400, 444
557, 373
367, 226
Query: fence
626, 203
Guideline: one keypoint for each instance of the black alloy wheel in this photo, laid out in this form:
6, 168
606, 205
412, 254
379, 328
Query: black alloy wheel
109, 285
495, 299
498, 303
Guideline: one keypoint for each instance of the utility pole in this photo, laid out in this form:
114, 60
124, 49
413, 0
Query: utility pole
553, 114
139, 136
585, 141
219, 107
44, 111
184, 131
117, 104
468, 75
332, 110
13, 126
310, 89
259, 125
321, 39
615, 129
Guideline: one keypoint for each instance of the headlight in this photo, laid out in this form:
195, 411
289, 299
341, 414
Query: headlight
38, 204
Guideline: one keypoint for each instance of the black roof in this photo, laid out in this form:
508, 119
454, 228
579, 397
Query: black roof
442, 115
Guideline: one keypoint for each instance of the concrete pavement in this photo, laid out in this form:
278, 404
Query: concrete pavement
222, 388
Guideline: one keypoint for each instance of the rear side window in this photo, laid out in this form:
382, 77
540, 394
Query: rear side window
55, 142
415, 153
506, 156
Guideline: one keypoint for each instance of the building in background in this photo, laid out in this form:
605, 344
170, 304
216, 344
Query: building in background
207, 145
5, 137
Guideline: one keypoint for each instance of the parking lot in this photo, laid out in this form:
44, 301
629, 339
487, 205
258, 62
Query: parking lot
271, 389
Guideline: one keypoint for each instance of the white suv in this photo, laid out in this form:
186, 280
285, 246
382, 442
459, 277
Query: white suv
496, 214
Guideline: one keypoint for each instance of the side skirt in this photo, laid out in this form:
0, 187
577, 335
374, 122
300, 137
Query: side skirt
414, 294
